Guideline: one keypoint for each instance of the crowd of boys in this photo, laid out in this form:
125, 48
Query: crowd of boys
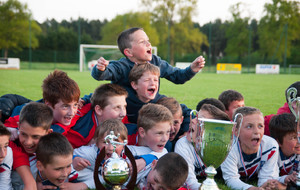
53, 143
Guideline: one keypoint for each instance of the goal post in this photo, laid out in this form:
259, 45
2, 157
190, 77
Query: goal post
90, 53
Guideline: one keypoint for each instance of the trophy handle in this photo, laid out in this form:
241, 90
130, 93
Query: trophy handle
99, 159
131, 184
191, 118
239, 128
292, 92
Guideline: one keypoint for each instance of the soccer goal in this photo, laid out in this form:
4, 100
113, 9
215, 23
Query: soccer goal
90, 53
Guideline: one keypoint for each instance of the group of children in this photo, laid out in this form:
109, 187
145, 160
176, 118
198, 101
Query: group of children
53, 143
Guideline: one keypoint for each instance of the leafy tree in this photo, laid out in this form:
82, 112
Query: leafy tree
237, 33
16, 27
112, 29
173, 20
281, 15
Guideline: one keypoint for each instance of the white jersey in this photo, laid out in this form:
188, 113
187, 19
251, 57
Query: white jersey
142, 150
263, 164
5, 171
196, 166
86, 175
17, 181
287, 165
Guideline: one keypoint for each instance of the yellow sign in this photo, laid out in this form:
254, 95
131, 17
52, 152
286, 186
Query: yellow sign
229, 68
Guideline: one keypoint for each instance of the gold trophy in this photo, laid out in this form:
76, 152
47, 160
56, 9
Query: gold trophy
115, 170
213, 141
294, 105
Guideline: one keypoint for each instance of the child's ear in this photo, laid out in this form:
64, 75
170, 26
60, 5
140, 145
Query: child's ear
141, 132
98, 110
154, 162
133, 85
236, 130
39, 165
127, 52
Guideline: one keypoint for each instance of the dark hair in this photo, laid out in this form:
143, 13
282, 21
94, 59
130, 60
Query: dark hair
58, 86
211, 101
173, 170
281, 125
51, 145
4, 131
215, 112
228, 96
37, 115
151, 114
294, 85
104, 92
124, 39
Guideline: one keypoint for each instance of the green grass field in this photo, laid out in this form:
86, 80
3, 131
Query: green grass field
265, 92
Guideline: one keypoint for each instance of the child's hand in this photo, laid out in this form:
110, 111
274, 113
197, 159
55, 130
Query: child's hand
271, 184
102, 64
14, 133
292, 177
198, 64
81, 103
80, 163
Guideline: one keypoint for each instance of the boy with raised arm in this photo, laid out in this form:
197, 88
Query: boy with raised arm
134, 44
254, 155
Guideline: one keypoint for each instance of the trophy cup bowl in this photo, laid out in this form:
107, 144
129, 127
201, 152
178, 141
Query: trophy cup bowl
212, 142
116, 171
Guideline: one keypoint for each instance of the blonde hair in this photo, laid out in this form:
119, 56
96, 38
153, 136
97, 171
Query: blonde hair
151, 114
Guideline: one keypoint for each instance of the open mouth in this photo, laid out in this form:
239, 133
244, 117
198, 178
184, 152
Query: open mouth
149, 51
151, 90
108, 155
255, 140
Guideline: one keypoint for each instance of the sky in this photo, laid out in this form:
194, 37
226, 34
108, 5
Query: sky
207, 10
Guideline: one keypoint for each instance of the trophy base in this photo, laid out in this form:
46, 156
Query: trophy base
209, 183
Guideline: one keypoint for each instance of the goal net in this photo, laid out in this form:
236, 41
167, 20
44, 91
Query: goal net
90, 53
294, 69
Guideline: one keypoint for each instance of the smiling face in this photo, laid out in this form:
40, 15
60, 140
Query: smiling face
64, 112
4, 140
29, 136
146, 87
109, 148
290, 144
58, 170
115, 109
251, 133
141, 49
156, 137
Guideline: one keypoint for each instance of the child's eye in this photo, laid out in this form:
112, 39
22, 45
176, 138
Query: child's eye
248, 126
260, 126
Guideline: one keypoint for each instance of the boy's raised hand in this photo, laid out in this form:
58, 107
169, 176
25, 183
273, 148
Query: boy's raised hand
102, 64
80, 163
198, 64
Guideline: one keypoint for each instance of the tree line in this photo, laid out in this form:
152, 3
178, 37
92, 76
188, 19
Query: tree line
272, 39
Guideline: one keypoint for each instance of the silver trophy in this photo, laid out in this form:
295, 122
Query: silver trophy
212, 142
294, 105
116, 170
